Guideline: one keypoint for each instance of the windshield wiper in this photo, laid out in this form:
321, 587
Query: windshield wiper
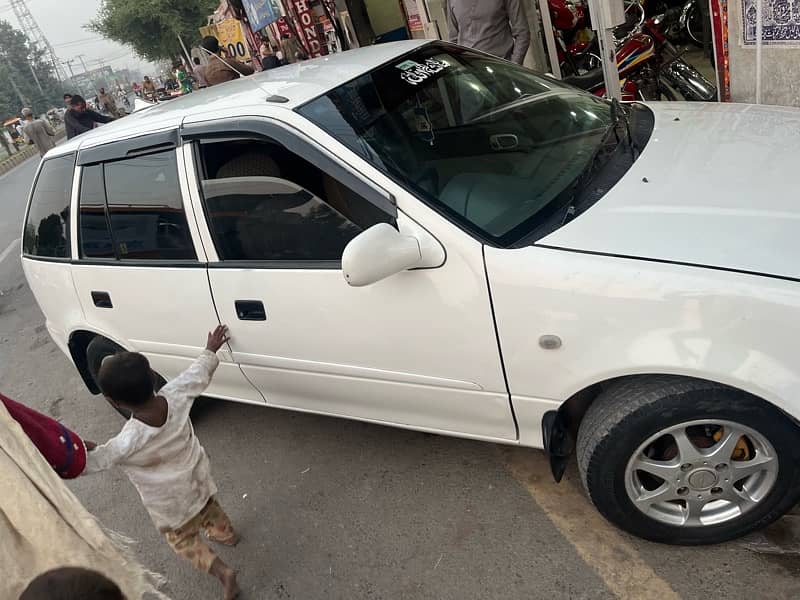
619, 115
582, 180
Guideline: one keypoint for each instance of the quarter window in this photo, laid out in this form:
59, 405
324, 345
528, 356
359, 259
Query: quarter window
132, 210
47, 226
265, 203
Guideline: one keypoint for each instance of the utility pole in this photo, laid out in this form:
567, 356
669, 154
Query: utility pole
34, 33
80, 57
36, 79
72, 75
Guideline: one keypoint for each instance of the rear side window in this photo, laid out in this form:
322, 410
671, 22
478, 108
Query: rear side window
47, 226
95, 236
132, 210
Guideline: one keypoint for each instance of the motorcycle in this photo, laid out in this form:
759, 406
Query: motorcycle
684, 19
576, 44
650, 68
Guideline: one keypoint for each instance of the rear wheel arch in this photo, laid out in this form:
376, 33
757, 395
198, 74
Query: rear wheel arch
78, 345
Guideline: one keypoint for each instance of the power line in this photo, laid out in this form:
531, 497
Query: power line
75, 42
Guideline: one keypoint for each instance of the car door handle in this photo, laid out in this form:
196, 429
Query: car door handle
250, 310
102, 300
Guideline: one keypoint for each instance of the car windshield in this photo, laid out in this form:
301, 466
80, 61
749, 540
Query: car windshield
496, 147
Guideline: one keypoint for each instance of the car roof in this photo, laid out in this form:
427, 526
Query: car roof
297, 83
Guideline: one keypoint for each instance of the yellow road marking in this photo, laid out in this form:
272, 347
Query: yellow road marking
597, 542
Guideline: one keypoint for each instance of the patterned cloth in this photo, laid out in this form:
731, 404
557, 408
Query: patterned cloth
62, 448
43, 526
186, 540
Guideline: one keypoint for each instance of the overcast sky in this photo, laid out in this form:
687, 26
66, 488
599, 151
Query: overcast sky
62, 22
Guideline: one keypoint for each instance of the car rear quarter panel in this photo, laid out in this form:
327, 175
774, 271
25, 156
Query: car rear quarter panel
620, 317
52, 286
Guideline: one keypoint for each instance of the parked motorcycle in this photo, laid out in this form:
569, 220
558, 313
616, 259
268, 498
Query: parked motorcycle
576, 43
650, 68
683, 19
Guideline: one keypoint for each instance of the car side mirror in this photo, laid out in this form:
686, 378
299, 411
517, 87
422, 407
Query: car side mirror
378, 253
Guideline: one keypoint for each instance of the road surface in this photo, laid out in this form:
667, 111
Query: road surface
337, 509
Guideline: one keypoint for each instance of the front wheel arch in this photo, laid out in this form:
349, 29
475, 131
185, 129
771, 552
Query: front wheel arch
560, 427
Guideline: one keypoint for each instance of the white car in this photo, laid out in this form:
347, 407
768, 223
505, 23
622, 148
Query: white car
423, 236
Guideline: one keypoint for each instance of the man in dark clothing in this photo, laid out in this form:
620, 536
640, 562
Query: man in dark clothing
268, 59
80, 119
218, 69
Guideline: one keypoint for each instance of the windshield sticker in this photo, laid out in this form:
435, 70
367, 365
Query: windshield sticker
415, 73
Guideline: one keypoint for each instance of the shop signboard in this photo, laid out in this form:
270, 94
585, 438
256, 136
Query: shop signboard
780, 22
261, 13
283, 27
231, 37
308, 30
413, 18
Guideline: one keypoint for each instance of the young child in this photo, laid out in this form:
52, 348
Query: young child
159, 452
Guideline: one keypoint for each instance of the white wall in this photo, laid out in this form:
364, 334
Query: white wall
780, 66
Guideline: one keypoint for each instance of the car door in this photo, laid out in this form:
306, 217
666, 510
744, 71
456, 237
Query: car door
140, 276
416, 350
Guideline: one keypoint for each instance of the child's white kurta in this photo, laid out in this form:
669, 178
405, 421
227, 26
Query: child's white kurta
167, 464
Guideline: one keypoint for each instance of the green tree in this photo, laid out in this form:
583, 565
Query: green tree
18, 63
152, 27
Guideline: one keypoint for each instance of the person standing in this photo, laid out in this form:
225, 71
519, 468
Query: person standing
498, 27
149, 89
292, 51
182, 77
5, 143
220, 70
80, 119
38, 132
199, 72
107, 102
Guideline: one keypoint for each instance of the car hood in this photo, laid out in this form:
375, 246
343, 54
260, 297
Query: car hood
713, 187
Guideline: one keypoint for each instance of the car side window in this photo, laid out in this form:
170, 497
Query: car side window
131, 209
265, 203
95, 235
47, 225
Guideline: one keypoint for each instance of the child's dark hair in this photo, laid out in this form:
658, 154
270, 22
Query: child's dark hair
126, 378
72, 583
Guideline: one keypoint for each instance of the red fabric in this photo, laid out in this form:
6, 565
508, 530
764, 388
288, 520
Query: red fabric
62, 448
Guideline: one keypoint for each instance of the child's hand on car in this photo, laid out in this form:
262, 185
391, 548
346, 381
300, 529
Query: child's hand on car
217, 337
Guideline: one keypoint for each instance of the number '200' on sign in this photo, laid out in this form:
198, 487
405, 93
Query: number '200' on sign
415, 73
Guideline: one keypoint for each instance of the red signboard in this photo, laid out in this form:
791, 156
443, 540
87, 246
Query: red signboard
307, 26
283, 27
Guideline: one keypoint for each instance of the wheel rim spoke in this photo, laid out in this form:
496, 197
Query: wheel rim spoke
740, 498
687, 451
667, 471
723, 450
694, 508
663, 493
740, 469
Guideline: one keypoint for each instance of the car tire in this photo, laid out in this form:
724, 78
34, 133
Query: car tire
624, 429
98, 349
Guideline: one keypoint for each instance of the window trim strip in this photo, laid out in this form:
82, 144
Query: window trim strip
296, 142
149, 143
